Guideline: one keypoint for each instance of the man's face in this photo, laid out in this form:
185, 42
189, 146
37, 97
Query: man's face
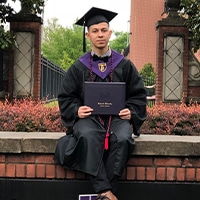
99, 35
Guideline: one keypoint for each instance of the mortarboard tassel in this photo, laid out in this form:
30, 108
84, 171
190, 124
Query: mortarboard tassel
107, 135
106, 141
84, 42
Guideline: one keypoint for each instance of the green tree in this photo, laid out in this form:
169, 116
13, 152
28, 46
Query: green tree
120, 41
149, 77
66, 61
191, 11
7, 39
34, 6
62, 45
148, 72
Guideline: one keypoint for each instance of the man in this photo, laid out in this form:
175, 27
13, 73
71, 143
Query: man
104, 142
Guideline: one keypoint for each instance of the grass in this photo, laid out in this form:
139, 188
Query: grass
51, 104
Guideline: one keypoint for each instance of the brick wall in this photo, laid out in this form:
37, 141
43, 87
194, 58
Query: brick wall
144, 16
168, 169
194, 93
155, 158
139, 168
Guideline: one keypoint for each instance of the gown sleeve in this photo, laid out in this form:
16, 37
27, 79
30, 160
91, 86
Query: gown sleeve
70, 97
135, 97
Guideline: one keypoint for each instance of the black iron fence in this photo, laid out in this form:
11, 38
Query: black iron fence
51, 78
150, 86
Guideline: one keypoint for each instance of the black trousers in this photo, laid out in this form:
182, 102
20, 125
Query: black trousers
111, 162
106, 179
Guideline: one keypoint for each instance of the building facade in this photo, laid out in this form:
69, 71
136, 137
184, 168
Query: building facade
144, 16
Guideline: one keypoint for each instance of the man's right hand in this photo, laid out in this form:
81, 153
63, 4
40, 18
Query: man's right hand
84, 111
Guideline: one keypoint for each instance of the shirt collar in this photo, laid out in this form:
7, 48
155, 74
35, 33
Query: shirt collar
108, 53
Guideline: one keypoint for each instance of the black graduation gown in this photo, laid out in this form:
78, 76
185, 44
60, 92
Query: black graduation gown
71, 97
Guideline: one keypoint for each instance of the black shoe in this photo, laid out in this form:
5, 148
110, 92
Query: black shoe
102, 198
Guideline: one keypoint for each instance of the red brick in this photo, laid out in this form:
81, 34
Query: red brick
140, 173
70, 174
190, 174
20, 170
143, 34
143, 161
170, 174
160, 174
13, 158
20, 158
198, 175
30, 171
150, 174
167, 162
60, 172
189, 162
180, 174
28, 158
2, 158
131, 173
50, 171
10, 170
40, 171
2, 170
46, 159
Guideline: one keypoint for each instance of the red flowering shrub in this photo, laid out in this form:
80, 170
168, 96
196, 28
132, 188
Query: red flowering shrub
173, 119
33, 116
30, 116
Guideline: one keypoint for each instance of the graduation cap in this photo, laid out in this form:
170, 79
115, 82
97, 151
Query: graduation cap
94, 16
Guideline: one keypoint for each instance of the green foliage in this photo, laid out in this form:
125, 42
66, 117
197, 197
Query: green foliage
172, 119
51, 104
6, 37
120, 41
5, 11
62, 45
35, 6
66, 62
147, 71
149, 78
192, 13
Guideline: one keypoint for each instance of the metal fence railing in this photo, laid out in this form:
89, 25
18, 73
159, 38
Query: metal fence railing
51, 78
150, 85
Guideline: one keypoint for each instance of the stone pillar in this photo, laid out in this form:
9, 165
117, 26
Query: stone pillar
25, 59
172, 57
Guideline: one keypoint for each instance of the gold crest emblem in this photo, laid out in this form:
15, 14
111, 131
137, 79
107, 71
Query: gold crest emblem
102, 67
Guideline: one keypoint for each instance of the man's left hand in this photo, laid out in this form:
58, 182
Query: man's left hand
125, 114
